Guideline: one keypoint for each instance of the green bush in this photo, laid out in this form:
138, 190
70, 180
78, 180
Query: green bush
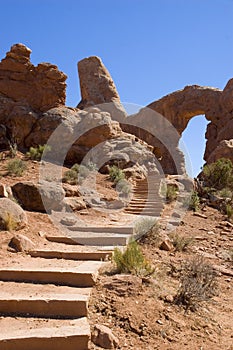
132, 261
194, 202
16, 167
219, 174
71, 175
229, 211
116, 174
171, 193
36, 153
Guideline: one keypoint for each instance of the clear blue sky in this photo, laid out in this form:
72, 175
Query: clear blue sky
150, 47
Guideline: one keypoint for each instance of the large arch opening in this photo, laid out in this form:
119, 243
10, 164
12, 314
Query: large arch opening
193, 143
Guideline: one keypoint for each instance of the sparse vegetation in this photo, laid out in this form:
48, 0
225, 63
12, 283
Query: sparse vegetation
16, 167
181, 243
36, 153
146, 227
194, 202
13, 150
116, 174
197, 284
171, 193
132, 261
124, 187
71, 175
229, 211
219, 174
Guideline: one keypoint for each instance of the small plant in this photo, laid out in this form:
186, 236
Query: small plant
181, 243
194, 203
225, 193
36, 153
8, 223
91, 166
229, 211
132, 261
16, 167
13, 150
145, 225
171, 193
71, 175
83, 172
116, 174
124, 187
197, 284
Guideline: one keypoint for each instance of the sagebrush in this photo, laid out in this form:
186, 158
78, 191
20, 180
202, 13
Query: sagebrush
16, 167
132, 261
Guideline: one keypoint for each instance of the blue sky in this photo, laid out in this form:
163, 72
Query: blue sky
150, 47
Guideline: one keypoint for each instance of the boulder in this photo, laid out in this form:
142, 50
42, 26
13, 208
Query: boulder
21, 243
41, 87
12, 216
75, 203
42, 197
103, 337
223, 150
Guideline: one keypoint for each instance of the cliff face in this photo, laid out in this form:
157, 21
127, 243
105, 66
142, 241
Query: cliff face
41, 87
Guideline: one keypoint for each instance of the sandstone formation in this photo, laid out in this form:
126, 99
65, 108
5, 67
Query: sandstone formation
32, 107
12, 215
41, 87
96, 84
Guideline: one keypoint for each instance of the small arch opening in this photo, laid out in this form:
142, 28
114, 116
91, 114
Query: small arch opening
193, 143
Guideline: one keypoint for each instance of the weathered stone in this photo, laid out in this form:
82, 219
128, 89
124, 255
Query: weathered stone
223, 150
75, 203
21, 243
12, 215
41, 87
3, 191
103, 336
41, 197
166, 245
96, 84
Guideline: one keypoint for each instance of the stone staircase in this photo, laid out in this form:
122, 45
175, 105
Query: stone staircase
146, 199
44, 295
44, 300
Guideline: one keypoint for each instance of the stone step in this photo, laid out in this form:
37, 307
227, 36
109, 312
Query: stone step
137, 211
145, 205
43, 300
44, 334
92, 239
103, 229
70, 255
55, 271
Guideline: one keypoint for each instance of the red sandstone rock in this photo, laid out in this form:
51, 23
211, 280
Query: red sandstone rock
41, 87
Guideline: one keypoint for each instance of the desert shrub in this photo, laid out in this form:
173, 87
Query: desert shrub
91, 166
16, 167
225, 193
124, 187
83, 171
171, 193
229, 211
116, 174
181, 243
194, 202
71, 175
219, 174
8, 223
36, 153
75, 174
197, 284
13, 148
145, 225
132, 261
